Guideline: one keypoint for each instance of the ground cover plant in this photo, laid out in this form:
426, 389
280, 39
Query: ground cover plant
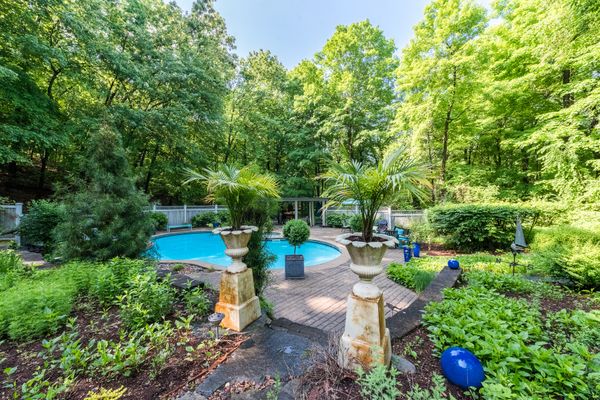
87, 328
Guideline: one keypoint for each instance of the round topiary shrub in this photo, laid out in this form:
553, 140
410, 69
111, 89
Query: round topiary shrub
356, 223
296, 232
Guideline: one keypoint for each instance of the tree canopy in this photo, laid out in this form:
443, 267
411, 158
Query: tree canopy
500, 104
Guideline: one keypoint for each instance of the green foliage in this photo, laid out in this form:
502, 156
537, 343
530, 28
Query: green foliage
505, 283
478, 226
530, 366
106, 215
356, 223
146, 300
113, 277
236, 188
37, 226
39, 305
436, 392
335, 220
379, 383
568, 252
196, 302
259, 258
10, 261
106, 394
373, 186
296, 232
411, 275
159, 220
207, 218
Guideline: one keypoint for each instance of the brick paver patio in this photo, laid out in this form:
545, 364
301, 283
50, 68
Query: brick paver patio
319, 300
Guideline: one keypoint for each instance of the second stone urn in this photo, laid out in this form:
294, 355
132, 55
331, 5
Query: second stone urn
366, 340
237, 299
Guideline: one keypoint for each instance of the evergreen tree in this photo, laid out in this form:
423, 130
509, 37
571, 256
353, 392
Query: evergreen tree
105, 215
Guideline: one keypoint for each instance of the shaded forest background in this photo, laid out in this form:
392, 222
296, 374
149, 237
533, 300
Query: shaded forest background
502, 105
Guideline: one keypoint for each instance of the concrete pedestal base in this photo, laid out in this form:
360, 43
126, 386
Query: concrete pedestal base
366, 340
237, 300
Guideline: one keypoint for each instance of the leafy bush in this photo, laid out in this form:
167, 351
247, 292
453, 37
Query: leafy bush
568, 252
379, 383
37, 226
33, 307
259, 258
505, 283
204, 219
478, 226
113, 277
106, 215
411, 276
336, 220
356, 223
10, 261
160, 220
510, 339
196, 302
296, 232
146, 300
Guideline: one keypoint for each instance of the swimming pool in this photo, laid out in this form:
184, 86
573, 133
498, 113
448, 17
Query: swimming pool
208, 247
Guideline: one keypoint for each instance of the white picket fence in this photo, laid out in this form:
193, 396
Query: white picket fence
10, 218
393, 217
178, 215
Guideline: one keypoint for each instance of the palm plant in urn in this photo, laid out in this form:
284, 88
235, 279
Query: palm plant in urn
237, 188
366, 340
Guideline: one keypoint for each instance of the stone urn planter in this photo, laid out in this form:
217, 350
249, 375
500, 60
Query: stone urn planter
366, 340
237, 299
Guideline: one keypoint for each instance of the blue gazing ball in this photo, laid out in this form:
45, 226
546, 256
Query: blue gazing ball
453, 264
462, 367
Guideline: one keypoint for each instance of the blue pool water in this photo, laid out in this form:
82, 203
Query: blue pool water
207, 247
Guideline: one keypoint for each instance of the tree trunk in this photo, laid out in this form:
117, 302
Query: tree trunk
447, 122
43, 165
150, 167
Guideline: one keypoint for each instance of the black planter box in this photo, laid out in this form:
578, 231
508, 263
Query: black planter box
294, 266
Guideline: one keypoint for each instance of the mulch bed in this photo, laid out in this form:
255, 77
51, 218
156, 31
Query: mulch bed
179, 374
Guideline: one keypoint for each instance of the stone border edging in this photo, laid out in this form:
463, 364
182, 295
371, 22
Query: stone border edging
308, 332
407, 320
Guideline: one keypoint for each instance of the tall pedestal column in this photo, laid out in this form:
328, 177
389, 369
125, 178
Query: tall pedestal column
366, 340
237, 299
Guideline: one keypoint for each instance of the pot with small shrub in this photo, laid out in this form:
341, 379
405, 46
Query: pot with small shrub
238, 189
296, 232
366, 340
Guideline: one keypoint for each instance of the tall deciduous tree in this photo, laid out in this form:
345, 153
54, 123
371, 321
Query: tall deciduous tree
437, 80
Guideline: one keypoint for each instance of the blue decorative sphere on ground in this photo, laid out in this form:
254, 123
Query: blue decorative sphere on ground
453, 264
462, 367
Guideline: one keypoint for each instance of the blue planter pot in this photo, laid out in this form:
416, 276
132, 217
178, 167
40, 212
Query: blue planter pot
453, 264
407, 255
416, 249
462, 367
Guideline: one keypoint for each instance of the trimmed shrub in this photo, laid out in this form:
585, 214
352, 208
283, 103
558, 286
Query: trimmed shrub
568, 252
37, 226
479, 226
160, 221
296, 232
336, 220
